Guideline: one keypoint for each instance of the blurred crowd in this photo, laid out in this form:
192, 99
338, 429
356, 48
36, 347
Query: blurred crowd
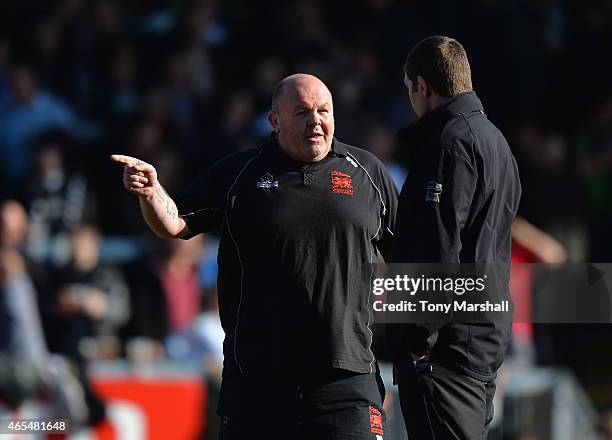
181, 84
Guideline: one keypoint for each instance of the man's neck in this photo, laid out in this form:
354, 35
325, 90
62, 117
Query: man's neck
435, 102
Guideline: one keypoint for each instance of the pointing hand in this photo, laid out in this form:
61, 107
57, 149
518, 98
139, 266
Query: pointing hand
139, 177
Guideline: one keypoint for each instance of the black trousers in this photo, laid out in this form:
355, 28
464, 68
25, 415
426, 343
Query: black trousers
326, 405
441, 404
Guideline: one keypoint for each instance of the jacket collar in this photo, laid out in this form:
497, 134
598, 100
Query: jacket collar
458, 105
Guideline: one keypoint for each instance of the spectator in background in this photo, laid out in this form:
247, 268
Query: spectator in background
27, 282
179, 277
529, 245
189, 277
124, 96
381, 142
25, 337
26, 366
32, 111
180, 291
556, 199
185, 105
236, 128
202, 29
92, 299
147, 297
60, 199
14, 232
209, 332
267, 73
150, 140
13, 225
53, 70
23, 352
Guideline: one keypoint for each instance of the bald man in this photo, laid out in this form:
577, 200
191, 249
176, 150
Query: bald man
299, 220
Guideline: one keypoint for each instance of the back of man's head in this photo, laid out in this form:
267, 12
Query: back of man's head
442, 62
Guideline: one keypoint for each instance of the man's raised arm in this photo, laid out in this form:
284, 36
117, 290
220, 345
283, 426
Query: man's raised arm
157, 207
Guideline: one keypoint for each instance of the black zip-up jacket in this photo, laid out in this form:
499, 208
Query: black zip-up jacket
456, 206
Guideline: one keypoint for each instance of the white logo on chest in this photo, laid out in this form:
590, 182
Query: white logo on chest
267, 181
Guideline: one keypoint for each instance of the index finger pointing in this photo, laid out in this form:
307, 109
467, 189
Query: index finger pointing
127, 160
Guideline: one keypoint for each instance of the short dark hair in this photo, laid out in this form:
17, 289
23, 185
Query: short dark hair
443, 63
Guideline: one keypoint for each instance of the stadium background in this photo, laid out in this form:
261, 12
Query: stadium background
183, 83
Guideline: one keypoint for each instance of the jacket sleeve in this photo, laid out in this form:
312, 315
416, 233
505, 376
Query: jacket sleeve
434, 210
449, 215
432, 216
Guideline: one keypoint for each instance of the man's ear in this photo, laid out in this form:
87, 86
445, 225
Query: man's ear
273, 119
422, 87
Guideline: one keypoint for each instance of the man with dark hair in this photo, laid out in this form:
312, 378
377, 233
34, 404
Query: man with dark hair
443, 64
300, 220
456, 206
